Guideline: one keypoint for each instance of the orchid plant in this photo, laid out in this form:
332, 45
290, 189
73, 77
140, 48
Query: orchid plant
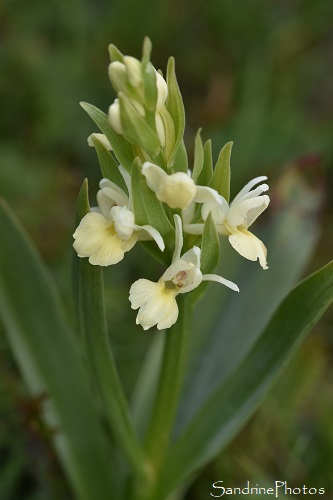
194, 391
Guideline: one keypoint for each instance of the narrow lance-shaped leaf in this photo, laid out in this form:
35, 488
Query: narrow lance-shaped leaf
121, 148
221, 176
147, 208
99, 355
146, 50
210, 247
175, 106
231, 405
42, 344
108, 164
207, 169
181, 160
136, 129
115, 54
210, 255
290, 238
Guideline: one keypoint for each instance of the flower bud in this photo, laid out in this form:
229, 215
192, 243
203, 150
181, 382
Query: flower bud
114, 117
117, 75
162, 90
160, 129
133, 68
177, 190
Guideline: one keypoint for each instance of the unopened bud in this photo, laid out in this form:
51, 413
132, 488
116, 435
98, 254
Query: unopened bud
160, 129
162, 90
114, 117
117, 75
134, 73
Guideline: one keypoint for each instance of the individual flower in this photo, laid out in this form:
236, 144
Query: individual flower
176, 190
234, 220
157, 301
109, 230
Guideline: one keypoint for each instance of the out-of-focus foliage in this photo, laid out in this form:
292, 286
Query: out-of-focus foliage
255, 72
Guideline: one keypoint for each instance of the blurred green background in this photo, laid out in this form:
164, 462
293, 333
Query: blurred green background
258, 72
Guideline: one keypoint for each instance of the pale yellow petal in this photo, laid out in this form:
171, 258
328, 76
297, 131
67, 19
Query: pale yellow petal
249, 246
96, 238
249, 186
238, 213
177, 190
156, 304
220, 279
154, 175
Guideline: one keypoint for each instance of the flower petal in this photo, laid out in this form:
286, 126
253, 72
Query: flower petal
177, 190
249, 186
96, 238
154, 175
254, 213
219, 210
249, 246
238, 213
188, 213
206, 194
179, 241
123, 220
194, 228
175, 268
219, 279
110, 195
152, 233
156, 304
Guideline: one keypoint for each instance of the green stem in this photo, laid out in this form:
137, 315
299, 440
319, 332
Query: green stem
168, 393
102, 364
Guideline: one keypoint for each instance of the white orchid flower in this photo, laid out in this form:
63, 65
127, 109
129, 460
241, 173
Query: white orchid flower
234, 220
157, 301
109, 230
176, 190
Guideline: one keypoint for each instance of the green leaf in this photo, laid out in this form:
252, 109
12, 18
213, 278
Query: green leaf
146, 50
233, 403
105, 375
237, 320
181, 160
210, 255
120, 146
136, 129
115, 54
147, 208
43, 345
109, 166
175, 106
221, 176
210, 247
198, 157
207, 169
150, 89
